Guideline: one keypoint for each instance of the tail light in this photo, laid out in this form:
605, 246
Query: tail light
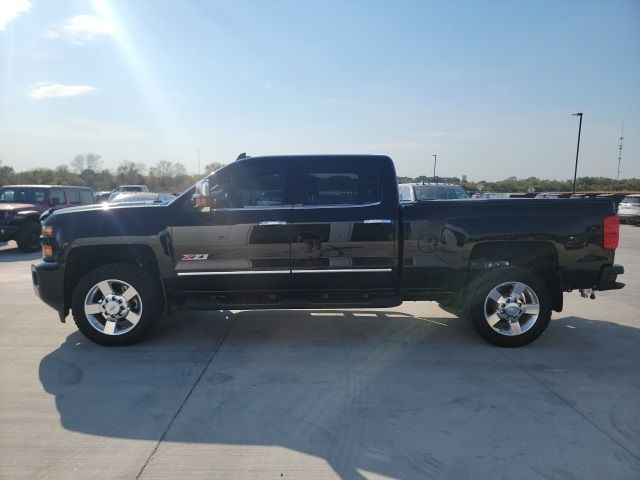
611, 232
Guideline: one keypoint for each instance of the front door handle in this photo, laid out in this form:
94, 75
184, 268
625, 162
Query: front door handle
272, 222
378, 220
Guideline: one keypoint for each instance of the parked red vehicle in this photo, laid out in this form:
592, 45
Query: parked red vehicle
22, 205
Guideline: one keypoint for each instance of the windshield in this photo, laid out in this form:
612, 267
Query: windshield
631, 201
22, 195
439, 192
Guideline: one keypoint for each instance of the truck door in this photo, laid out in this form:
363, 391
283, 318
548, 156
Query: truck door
243, 243
343, 234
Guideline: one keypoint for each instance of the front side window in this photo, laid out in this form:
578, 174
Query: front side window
338, 182
257, 184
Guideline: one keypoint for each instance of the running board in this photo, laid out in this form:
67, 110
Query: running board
231, 303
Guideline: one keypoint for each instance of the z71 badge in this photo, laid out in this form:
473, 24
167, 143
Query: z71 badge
187, 257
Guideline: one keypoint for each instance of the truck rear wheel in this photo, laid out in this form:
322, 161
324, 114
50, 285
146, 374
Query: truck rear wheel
509, 307
116, 304
29, 238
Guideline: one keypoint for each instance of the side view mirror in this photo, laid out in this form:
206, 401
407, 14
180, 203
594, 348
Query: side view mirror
54, 201
201, 199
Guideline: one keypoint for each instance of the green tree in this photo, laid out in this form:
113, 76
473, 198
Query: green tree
212, 167
6, 174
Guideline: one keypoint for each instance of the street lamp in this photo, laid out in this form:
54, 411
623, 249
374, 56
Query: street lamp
575, 172
435, 161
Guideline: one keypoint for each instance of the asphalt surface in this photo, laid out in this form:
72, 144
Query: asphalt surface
409, 392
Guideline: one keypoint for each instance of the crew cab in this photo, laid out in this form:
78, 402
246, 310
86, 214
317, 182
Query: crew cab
323, 232
22, 205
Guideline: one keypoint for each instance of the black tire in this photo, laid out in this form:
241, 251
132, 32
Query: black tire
149, 298
29, 238
479, 291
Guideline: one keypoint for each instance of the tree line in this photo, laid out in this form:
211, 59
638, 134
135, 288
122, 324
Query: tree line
86, 170
534, 184
166, 176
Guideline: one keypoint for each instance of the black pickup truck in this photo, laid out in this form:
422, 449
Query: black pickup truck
323, 232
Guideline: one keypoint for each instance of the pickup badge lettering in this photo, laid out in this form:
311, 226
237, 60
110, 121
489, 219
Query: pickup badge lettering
188, 257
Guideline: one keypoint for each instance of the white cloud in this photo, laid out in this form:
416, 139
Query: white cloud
57, 90
81, 29
10, 9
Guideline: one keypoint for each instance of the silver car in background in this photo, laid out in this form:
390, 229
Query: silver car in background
629, 209
415, 192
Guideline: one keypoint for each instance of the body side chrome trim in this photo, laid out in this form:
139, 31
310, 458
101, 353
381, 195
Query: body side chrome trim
241, 272
298, 206
344, 270
260, 272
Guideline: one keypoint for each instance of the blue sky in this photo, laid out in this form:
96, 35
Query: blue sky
488, 86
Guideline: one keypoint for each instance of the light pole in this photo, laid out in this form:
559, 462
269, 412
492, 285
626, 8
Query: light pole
575, 172
435, 161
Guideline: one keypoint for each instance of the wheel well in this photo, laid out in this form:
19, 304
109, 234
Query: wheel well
540, 258
28, 222
81, 260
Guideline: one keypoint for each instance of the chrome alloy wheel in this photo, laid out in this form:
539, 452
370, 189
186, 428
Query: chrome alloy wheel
113, 307
511, 308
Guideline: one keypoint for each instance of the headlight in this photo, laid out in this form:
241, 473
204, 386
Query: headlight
47, 241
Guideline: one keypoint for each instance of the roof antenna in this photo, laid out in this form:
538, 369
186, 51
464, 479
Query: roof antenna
242, 155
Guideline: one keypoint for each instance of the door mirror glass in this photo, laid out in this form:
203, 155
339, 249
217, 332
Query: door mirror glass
202, 199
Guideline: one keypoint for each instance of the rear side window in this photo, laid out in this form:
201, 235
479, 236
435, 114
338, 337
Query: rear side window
59, 194
86, 197
74, 197
249, 185
338, 182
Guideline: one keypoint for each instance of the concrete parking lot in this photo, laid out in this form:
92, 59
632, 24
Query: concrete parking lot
409, 392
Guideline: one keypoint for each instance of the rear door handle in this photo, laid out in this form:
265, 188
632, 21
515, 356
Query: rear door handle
272, 222
378, 220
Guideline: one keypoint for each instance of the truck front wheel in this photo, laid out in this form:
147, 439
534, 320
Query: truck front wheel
509, 307
116, 304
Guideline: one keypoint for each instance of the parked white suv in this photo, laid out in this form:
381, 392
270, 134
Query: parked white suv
629, 209
412, 192
127, 188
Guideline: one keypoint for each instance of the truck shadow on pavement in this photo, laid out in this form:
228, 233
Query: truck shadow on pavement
379, 392
8, 254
